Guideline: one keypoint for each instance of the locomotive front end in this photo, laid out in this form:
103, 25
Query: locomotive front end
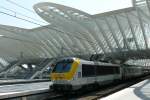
63, 74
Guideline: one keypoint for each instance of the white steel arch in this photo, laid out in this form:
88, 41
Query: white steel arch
72, 32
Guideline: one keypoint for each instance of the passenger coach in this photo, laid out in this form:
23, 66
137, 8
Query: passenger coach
70, 74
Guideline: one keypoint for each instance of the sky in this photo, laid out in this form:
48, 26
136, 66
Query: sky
89, 6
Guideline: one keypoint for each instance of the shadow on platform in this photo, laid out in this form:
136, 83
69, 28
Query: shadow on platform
143, 91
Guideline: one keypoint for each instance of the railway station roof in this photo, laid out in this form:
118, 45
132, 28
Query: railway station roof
73, 32
77, 32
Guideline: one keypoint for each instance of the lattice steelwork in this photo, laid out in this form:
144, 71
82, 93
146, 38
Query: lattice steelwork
125, 30
117, 34
122, 30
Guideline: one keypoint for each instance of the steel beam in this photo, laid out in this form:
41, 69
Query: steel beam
97, 38
122, 32
61, 42
132, 30
148, 5
142, 28
57, 23
48, 44
92, 36
51, 42
84, 40
113, 33
141, 23
7, 71
44, 46
39, 72
71, 38
31, 49
104, 35
80, 24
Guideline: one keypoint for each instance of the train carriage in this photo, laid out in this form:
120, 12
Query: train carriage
73, 74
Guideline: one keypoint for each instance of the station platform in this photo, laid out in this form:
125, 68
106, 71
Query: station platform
19, 81
16, 90
139, 91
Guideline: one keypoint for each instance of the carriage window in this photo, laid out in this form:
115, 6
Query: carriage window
91, 70
107, 70
62, 67
88, 70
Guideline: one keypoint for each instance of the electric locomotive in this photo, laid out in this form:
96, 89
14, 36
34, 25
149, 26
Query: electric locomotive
70, 74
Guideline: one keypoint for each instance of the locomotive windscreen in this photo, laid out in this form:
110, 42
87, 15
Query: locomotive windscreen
62, 67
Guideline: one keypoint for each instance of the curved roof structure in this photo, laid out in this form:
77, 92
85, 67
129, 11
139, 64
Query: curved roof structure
17, 43
117, 35
72, 32
116, 31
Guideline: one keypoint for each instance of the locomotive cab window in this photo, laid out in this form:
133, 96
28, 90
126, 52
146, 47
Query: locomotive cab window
62, 67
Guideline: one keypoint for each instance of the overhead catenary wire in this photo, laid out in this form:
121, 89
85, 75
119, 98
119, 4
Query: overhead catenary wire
15, 32
91, 42
18, 5
14, 3
47, 27
17, 13
37, 23
68, 33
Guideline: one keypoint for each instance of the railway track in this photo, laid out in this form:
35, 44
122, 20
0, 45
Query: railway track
99, 93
